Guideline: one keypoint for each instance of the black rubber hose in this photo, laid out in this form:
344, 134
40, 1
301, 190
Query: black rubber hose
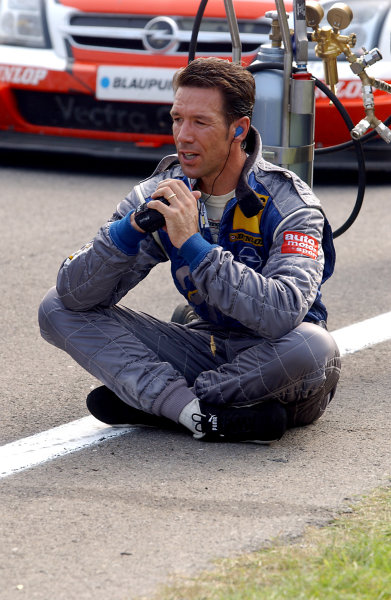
254, 68
346, 145
360, 159
196, 29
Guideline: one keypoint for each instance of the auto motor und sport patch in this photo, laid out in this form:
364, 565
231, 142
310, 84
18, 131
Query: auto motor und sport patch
300, 243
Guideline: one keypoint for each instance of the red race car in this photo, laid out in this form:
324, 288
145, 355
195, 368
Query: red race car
94, 77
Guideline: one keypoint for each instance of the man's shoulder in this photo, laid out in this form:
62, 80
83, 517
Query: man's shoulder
286, 190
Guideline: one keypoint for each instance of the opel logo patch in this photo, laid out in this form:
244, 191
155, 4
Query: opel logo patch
160, 35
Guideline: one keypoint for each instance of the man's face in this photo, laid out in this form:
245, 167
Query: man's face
200, 133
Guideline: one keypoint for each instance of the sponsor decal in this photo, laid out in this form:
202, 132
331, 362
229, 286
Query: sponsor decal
262, 198
250, 257
213, 420
241, 236
300, 243
112, 116
191, 294
212, 345
82, 250
250, 225
344, 89
134, 83
23, 75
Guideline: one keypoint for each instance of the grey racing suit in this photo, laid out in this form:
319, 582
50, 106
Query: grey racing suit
258, 335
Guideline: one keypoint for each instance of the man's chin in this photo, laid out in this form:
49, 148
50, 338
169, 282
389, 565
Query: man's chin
190, 169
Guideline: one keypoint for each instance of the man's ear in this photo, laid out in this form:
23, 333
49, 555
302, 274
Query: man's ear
241, 129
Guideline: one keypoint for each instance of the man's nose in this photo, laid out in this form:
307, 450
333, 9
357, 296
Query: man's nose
185, 133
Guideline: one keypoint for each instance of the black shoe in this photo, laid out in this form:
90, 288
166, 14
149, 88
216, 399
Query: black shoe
183, 314
263, 423
105, 406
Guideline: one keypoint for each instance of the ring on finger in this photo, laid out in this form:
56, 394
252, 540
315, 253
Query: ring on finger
169, 197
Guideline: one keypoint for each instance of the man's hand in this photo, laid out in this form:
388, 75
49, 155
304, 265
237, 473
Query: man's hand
181, 215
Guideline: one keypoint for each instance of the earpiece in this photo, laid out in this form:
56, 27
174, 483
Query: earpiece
238, 131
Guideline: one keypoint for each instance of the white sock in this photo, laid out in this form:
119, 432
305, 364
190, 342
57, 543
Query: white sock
186, 416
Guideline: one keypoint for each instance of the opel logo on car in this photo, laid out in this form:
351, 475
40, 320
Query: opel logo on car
160, 35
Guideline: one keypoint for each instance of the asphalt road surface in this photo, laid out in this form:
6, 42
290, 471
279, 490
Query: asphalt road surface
118, 519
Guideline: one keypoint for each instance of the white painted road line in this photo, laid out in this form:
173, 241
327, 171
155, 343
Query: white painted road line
364, 334
37, 449
44, 446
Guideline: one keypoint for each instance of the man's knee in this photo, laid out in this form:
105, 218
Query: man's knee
322, 364
48, 315
319, 354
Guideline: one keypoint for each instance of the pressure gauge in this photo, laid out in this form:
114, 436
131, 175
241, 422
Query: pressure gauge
313, 13
340, 16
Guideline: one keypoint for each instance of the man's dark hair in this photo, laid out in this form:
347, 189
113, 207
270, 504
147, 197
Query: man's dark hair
236, 84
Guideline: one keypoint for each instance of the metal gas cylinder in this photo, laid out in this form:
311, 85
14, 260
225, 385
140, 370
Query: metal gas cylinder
268, 108
287, 132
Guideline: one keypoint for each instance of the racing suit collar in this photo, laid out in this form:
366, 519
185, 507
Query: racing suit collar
248, 201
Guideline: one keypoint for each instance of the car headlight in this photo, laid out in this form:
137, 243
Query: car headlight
22, 23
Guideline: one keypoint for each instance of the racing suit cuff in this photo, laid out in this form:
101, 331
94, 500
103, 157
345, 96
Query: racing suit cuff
125, 236
195, 249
